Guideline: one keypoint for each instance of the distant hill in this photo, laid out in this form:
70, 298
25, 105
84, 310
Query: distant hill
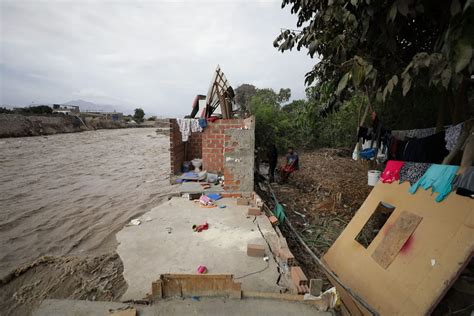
90, 106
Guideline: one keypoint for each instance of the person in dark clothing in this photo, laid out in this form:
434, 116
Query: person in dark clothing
272, 155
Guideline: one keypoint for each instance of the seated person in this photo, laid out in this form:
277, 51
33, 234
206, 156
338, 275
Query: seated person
292, 164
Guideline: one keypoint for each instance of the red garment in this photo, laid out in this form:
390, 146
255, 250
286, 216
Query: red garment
200, 228
212, 119
289, 168
392, 171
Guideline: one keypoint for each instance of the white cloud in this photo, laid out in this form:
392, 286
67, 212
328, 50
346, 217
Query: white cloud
157, 55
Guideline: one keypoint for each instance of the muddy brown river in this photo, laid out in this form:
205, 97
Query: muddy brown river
68, 194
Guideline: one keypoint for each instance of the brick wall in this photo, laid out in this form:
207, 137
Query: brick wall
183, 151
226, 147
194, 149
176, 148
213, 140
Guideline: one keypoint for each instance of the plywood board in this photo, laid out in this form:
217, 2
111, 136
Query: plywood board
395, 238
188, 285
426, 265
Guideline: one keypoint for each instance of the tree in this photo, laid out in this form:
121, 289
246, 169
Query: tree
243, 94
139, 115
387, 47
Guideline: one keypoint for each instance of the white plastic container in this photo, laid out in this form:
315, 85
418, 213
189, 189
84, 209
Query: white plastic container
373, 177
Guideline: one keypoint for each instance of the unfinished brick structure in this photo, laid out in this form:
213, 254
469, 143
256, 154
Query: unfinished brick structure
183, 151
226, 147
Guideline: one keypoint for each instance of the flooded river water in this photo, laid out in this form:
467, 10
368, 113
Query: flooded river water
68, 194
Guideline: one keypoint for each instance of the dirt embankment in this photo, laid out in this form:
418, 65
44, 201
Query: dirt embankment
90, 278
15, 125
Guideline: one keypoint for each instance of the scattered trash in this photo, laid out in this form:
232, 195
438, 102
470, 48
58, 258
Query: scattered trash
331, 296
202, 270
208, 206
204, 200
265, 259
302, 215
135, 222
214, 196
433, 262
309, 297
200, 228
222, 206
169, 229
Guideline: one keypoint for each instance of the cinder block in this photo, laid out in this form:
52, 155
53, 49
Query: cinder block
315, 287
273, 220
298, 277
242, 201
286, 256
254, 212
254, 250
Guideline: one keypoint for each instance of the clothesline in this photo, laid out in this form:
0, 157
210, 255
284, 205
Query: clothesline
442, 179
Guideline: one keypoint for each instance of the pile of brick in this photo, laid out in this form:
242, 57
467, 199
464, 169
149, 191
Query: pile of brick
297, 278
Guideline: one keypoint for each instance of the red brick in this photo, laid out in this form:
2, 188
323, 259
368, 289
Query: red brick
254, 250
273, 220
286, 256
298, 277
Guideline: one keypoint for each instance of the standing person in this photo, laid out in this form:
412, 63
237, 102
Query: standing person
292, 164
272, 155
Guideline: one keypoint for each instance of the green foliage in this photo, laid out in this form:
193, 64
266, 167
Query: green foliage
139, 115
276, 123
386, 48
151, 118
34, 110
243, 94
5, 110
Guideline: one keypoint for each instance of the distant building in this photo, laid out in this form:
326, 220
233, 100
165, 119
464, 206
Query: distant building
66, 109
114, 116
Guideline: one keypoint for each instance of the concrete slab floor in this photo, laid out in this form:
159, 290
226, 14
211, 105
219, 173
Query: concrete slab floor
168, 244
208, 306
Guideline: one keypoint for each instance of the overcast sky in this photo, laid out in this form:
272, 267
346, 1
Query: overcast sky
154, 54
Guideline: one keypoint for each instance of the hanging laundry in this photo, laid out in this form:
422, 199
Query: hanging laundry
439, 178
452, 135
391, 172
203, 123
464, 183
188, 126
423, 132
184, 128
430, 149
363, 133
195, 126
413, 171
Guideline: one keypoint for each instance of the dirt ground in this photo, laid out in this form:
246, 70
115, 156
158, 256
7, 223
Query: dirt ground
320, 199
89, 278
